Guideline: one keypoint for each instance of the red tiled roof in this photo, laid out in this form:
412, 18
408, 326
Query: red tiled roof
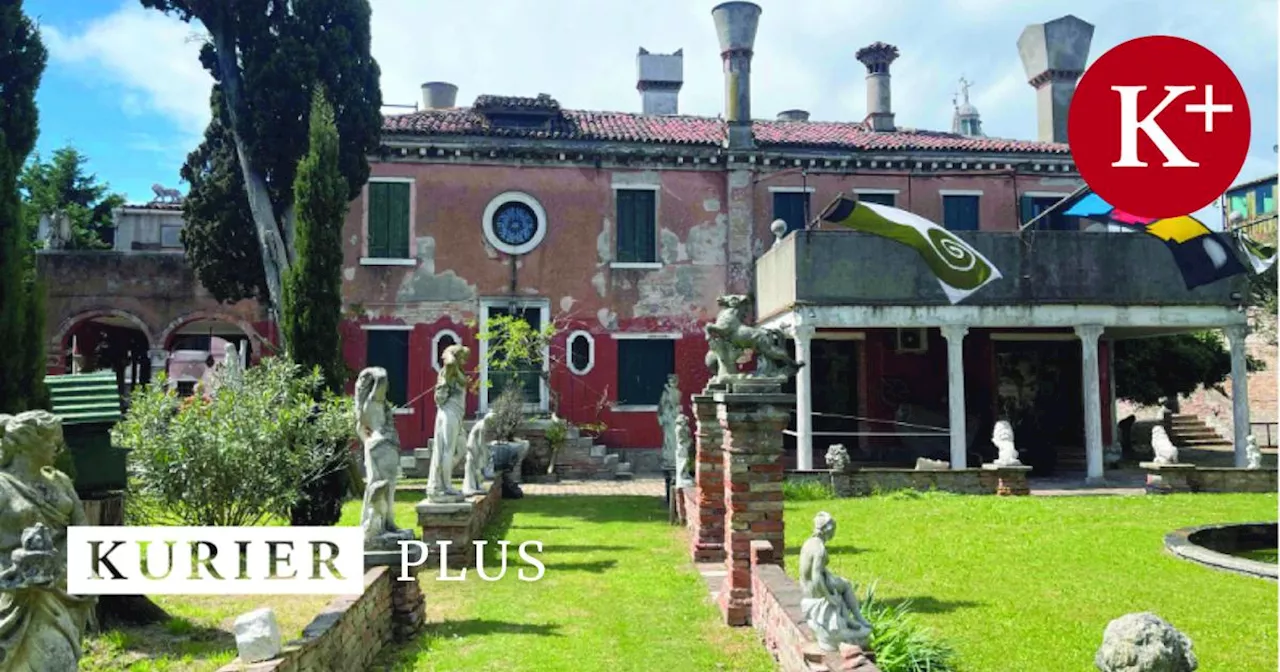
707, 131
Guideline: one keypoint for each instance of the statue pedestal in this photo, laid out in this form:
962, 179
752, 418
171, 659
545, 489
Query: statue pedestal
707, 519
408, 603
1165, 479
752, 416
1010, 479
458, 523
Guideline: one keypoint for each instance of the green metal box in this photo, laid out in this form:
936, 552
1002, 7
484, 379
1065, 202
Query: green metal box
89, 405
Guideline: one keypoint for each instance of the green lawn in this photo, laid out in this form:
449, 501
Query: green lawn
1029, 583
618, 594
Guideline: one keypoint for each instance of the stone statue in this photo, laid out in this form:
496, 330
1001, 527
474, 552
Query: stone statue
668, 410
684, 449
1112, 454
779, 230
1006, 452
728, 339
1252, 456
376, 429
838, 457
166, 194
830, 603
1144, 643
451, 404
40, 624
479, 465
1165, 451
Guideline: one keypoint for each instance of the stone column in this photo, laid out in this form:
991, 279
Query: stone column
1236, 334
707, 520
1111, 383
1090, 380
803, 334
752, 420
954, 334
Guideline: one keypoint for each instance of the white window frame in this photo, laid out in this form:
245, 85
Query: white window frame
591, 351
641, 336
539, 214
435, 345
657, 226
791, 190
365, 259
942, 203
544, 307
408, 410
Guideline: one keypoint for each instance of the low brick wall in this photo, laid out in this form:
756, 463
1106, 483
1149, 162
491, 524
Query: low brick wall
347, 635
459, 524
864, 482
1226, 479
776, 615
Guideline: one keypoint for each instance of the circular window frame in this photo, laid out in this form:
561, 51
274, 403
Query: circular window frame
435, 346
491, 210
591, 352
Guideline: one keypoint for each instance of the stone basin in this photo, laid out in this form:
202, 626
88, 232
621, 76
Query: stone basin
1220, 546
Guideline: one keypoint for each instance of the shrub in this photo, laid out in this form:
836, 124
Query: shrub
238, 456
900, 643
508, 414
807, 491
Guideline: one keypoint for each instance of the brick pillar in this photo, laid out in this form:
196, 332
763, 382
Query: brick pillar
408, 607
707, 520
752, 424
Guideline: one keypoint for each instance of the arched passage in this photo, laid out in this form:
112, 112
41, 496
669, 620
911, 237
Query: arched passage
106, 339
197, 342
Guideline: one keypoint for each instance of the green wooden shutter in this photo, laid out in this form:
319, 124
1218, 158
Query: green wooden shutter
790, 208
1027, 209
390, 350
636, 226
378, 218
960, 213
643, 367
398, 224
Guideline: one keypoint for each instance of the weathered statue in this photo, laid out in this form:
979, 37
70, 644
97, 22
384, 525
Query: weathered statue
1006, 452
830, 603
451, 404
376, 429
1165, 451
684, 449
40, 624
728, 338
837, 457
668, 410
479, 463
1252, 456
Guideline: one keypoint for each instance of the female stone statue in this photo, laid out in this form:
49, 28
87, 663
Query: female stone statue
40, 624
376, 429
479, 458
451, 405
829, 602
668, 411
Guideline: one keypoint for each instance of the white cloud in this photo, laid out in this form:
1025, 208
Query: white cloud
583, 52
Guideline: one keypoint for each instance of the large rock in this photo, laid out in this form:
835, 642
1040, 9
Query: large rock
258, 636
1144, 643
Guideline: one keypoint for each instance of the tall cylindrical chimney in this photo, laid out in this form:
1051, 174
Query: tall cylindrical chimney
793, 115
878, 57
439, 95
736, 24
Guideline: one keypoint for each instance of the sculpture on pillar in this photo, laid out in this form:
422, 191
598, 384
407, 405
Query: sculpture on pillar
829, 602
376, 429
668, 411
1006, 452
479, 465
41, 624
728, 339
451, 404
838, 457
1165, 451
1252, 456
684, 449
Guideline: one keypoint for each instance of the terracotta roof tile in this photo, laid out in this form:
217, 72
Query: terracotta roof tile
704, 131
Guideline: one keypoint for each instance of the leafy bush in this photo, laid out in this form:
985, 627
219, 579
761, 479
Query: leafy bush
508, 414
807, 491
900, 643
239, 455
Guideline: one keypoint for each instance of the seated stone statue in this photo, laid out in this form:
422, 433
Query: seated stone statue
829, 603
837, 457
1252, 456
1006, 452
1165, 451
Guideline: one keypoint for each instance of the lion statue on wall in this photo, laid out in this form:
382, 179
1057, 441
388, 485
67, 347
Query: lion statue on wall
728, 338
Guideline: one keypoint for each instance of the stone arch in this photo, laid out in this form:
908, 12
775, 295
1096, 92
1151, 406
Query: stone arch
166, 336
85, 316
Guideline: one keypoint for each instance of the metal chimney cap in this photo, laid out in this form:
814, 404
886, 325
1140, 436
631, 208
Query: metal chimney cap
793, 115
736, 24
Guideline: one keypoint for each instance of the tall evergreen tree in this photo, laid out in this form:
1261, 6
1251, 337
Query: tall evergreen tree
63, 185
22, 61
312, 309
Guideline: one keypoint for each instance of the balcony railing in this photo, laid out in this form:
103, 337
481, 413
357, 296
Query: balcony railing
1041, 267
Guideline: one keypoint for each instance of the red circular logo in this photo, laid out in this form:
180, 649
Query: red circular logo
1159, 127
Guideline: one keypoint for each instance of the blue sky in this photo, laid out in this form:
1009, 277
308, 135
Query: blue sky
124, 86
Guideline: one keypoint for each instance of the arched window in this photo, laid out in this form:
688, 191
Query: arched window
582, 352
439, 343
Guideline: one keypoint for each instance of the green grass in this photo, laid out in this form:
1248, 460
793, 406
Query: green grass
618, 594
1030, 583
